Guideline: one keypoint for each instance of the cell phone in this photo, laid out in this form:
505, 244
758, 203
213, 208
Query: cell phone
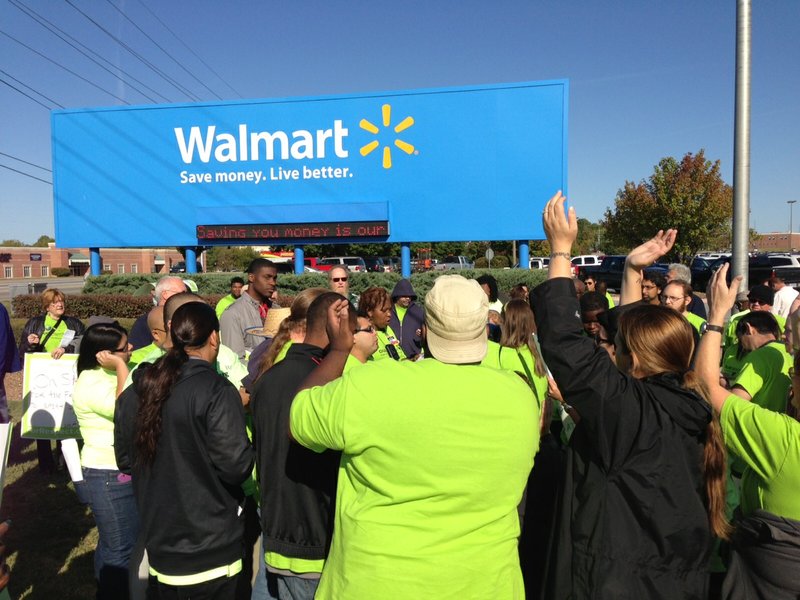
392, 351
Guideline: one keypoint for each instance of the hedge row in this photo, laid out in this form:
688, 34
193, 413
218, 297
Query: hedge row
118, 306
113, 295
219, 283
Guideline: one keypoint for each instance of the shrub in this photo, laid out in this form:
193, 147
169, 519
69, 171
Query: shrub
112, 295
500, 261
207, 283
117, 306
61, 271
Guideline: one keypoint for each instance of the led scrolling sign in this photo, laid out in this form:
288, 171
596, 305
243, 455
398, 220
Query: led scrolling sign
294, 231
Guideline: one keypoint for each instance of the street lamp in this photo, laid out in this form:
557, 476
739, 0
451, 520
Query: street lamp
791, 206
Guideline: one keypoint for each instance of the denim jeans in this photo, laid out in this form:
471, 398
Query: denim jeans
296, 588
114, 509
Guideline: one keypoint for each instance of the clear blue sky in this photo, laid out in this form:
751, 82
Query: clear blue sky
647, 79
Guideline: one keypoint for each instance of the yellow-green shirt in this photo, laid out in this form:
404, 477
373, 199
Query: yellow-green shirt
435, 458
769, 443
55, 339
386, 338
94, 398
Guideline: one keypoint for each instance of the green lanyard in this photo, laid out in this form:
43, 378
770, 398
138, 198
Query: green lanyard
528, 373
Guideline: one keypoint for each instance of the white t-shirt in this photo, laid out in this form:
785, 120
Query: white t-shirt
783, 301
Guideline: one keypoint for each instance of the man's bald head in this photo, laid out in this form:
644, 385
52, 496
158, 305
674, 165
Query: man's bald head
173, 304
155, 323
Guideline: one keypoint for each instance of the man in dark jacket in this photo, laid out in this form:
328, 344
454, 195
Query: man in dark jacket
9, 359
407, 318
298, 486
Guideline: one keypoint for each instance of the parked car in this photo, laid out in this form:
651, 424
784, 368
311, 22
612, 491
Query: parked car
180, 267
311, 262
354, 263
375, 264
454, 262
610, 270
761, 268
584, 260
391, 264
539, 262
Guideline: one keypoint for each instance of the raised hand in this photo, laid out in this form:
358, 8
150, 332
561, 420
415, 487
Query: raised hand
561, 229
646, 254
340, 332
109, 360
720, 296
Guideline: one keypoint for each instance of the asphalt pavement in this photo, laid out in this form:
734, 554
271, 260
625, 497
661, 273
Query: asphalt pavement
13, 287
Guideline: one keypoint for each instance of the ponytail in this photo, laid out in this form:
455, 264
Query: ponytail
715, 470
715, 466
155, 387
191, 326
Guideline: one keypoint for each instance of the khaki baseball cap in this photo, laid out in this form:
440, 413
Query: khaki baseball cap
456, 312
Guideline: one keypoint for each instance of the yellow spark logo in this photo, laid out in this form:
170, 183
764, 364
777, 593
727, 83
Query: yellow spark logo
386, 110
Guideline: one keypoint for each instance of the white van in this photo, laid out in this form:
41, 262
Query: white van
539, 262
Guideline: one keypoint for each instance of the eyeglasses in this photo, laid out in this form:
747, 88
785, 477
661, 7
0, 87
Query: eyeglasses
754, 301
671, 299
648, 287
369, 329
123, 349
338, 279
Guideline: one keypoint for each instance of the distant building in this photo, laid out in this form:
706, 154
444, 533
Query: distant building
29, 262
777, 241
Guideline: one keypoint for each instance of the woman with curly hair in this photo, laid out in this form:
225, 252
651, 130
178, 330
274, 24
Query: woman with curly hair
191, 455
376, 305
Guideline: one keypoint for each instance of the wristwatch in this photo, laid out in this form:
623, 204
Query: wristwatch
706, 327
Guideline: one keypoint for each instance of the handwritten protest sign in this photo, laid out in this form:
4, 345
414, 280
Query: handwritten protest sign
47, 397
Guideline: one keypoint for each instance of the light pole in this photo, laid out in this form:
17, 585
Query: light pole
791, 206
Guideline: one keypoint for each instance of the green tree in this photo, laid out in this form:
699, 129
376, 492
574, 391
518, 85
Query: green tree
229, 258
43, 241
11, 243
688, 195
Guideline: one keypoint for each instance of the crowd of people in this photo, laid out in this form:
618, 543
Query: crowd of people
371, 446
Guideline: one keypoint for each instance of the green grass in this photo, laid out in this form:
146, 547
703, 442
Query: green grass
50, 545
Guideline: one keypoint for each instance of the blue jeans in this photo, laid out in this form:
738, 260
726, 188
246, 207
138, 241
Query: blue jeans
296, 588
114, 509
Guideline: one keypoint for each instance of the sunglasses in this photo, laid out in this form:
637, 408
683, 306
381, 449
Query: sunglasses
338, 279
369, 329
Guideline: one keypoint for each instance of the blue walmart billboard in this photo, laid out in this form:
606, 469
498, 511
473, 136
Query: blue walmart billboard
455, 164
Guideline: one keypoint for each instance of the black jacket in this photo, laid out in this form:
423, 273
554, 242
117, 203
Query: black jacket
189, 499
36, 325
633, 521
766, 553
298, 485
406, 332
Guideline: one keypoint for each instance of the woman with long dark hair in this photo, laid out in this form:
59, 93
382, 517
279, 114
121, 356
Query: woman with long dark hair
191, 455
102, 370
644, 491
376, 305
